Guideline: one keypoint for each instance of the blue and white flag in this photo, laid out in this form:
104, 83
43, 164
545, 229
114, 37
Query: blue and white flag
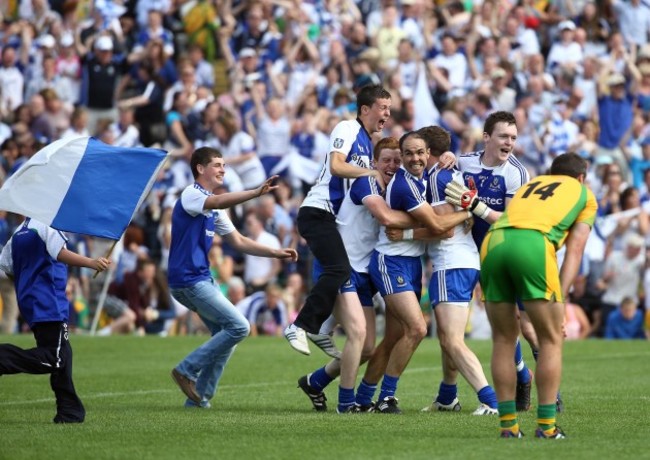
82, 185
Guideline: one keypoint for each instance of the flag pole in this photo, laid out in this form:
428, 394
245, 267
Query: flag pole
108, 254
102, 300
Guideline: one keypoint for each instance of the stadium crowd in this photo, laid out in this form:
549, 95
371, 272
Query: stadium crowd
266, 81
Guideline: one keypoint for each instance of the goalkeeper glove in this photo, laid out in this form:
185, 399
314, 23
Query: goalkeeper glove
466, 198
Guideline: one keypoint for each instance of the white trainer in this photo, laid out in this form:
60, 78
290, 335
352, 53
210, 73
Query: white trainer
297, 339
484, 409
326, 343
435, 406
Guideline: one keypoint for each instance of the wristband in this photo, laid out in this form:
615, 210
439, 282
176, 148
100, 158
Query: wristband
408, 234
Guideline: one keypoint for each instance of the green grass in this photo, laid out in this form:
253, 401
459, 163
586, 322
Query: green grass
135, 411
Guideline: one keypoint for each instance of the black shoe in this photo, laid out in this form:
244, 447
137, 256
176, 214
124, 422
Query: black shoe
317, 398
522, 398
365, 408
67, 419
388, 406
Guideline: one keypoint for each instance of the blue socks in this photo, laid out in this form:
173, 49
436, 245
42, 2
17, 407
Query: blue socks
388, 387
365, 393
319, 379
447, 393
523, 375
488, 396
346, 398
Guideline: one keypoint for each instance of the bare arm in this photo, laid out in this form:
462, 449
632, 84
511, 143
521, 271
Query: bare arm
339, 168
77, 260
246, 245
227, 200
575, 246
438, 224
387, 216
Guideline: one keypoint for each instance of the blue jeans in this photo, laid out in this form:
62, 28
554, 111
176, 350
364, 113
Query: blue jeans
227, 326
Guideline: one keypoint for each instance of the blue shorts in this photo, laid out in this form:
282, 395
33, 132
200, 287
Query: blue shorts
394, 274
455, 285
358, 282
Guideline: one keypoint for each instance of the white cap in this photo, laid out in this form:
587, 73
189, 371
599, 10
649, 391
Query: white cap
615, 79
104, 43
47, 41
247, 52
66, 39
567, 25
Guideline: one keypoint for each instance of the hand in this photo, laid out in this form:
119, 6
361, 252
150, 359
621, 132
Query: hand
466, 198
101, 264
287, 253
447, 160
151, 314
394, 234
379, 178
267, 186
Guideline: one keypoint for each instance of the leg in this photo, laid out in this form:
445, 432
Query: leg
69, 408
229, 325
505, 330
406, 308
349, 312
319, 230
9, 306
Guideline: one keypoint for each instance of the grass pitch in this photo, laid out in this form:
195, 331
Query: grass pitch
135, 411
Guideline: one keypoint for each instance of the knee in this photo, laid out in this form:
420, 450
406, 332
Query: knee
240, 330
341, 271
416, 333
356, 332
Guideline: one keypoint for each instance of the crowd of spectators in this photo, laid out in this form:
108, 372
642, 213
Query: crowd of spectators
266, 80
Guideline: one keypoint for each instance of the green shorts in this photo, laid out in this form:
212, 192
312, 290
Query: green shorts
519, 264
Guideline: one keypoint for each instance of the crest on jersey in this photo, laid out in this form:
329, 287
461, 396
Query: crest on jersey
400, 281
338, 143
495, 184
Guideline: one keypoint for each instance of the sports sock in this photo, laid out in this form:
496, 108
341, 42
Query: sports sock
346, 398
508, 417
487, 396
319, 379
388, 386
523, 375
546, 418
447, 393
365, 393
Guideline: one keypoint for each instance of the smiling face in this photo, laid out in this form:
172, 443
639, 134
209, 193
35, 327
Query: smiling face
415, 155
388, 163
500, 144
211, 175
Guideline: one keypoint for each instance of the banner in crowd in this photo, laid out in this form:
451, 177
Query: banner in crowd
82, 185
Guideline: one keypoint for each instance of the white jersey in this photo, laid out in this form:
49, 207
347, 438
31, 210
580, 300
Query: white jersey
494, 184
350, 138
357, 226
405, 192
459, 251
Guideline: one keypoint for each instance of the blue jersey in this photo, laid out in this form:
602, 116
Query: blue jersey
193, 230
405, 192
495, 184
30, 257
350, 138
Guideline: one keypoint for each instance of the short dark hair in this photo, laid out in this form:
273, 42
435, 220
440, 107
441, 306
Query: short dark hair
203, 156
438, 139
368, 95
385, 143
415, 134
498, 117
569, 164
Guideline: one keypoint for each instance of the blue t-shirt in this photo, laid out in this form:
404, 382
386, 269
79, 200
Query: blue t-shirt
193, 230
40, 279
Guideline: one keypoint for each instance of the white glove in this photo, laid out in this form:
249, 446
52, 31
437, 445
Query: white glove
467, 198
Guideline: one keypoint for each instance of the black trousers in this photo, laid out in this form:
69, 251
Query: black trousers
52, 355
318, 228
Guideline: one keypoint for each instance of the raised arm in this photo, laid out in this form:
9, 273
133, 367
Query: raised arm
77, 260
227, 200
